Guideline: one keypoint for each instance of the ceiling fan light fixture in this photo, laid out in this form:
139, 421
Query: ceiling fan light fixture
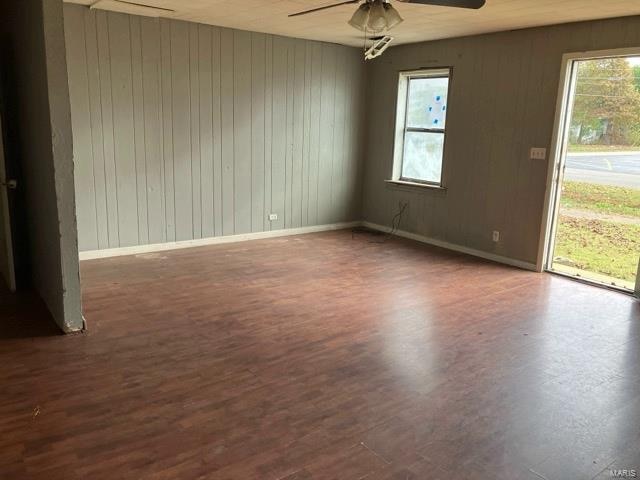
392, 16
377, 16
361, 17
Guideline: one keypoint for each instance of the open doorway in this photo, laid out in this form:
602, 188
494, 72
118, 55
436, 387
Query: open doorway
594, 227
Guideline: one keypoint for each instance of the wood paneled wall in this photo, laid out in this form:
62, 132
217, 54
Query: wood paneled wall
501, 103
186, 131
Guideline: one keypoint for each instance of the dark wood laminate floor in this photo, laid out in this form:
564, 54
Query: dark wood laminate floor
325, 357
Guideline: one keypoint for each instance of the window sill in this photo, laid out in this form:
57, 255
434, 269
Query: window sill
412, 185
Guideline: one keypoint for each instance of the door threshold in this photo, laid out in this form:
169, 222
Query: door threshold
593, 283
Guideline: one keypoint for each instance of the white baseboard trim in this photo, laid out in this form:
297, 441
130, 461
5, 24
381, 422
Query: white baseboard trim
457, 248
160, 247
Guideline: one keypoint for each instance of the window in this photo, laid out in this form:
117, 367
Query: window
420, 126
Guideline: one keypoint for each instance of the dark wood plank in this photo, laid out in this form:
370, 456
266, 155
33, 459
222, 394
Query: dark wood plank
324, 356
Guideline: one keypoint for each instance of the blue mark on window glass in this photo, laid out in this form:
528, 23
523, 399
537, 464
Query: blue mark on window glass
430, 109
438, 97
435, 121
444, 107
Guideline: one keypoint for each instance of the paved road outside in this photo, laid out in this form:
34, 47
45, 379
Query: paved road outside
621, 169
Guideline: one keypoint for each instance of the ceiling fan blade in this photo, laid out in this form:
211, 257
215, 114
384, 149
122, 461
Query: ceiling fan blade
146, 6
347, 2
99, 3
450, 3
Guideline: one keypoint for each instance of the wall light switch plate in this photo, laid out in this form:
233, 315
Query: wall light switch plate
273, 217
538, 154
496, 236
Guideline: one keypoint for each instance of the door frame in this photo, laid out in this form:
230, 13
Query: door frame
4, 204
561, 125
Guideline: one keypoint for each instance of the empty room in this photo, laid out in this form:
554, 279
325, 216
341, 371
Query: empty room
305, 239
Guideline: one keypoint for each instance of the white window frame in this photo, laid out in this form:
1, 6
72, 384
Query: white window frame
404, 82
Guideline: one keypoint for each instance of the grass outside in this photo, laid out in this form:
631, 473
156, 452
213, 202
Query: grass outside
603, 246
601, 198
599, 246
603, 148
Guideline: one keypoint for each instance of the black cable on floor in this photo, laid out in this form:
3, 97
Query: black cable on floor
395, 226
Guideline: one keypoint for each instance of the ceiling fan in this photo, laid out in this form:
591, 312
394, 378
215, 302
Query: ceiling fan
137, 6
379, 15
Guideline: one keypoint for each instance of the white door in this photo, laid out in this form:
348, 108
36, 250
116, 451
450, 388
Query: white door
7, 269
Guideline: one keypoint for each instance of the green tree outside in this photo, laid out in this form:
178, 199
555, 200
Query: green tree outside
606, 108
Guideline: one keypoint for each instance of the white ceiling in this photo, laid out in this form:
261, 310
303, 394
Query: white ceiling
421, 22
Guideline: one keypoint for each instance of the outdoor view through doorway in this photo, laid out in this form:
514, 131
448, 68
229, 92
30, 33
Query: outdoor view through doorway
597, 227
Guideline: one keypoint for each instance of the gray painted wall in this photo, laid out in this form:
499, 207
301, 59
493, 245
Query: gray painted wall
34, 55
502, 102
186, 131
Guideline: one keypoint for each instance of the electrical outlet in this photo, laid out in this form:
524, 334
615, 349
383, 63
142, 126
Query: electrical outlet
538, 153
273, 217
496, 236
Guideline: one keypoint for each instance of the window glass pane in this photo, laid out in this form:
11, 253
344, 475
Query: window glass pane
423, 156
427, 103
